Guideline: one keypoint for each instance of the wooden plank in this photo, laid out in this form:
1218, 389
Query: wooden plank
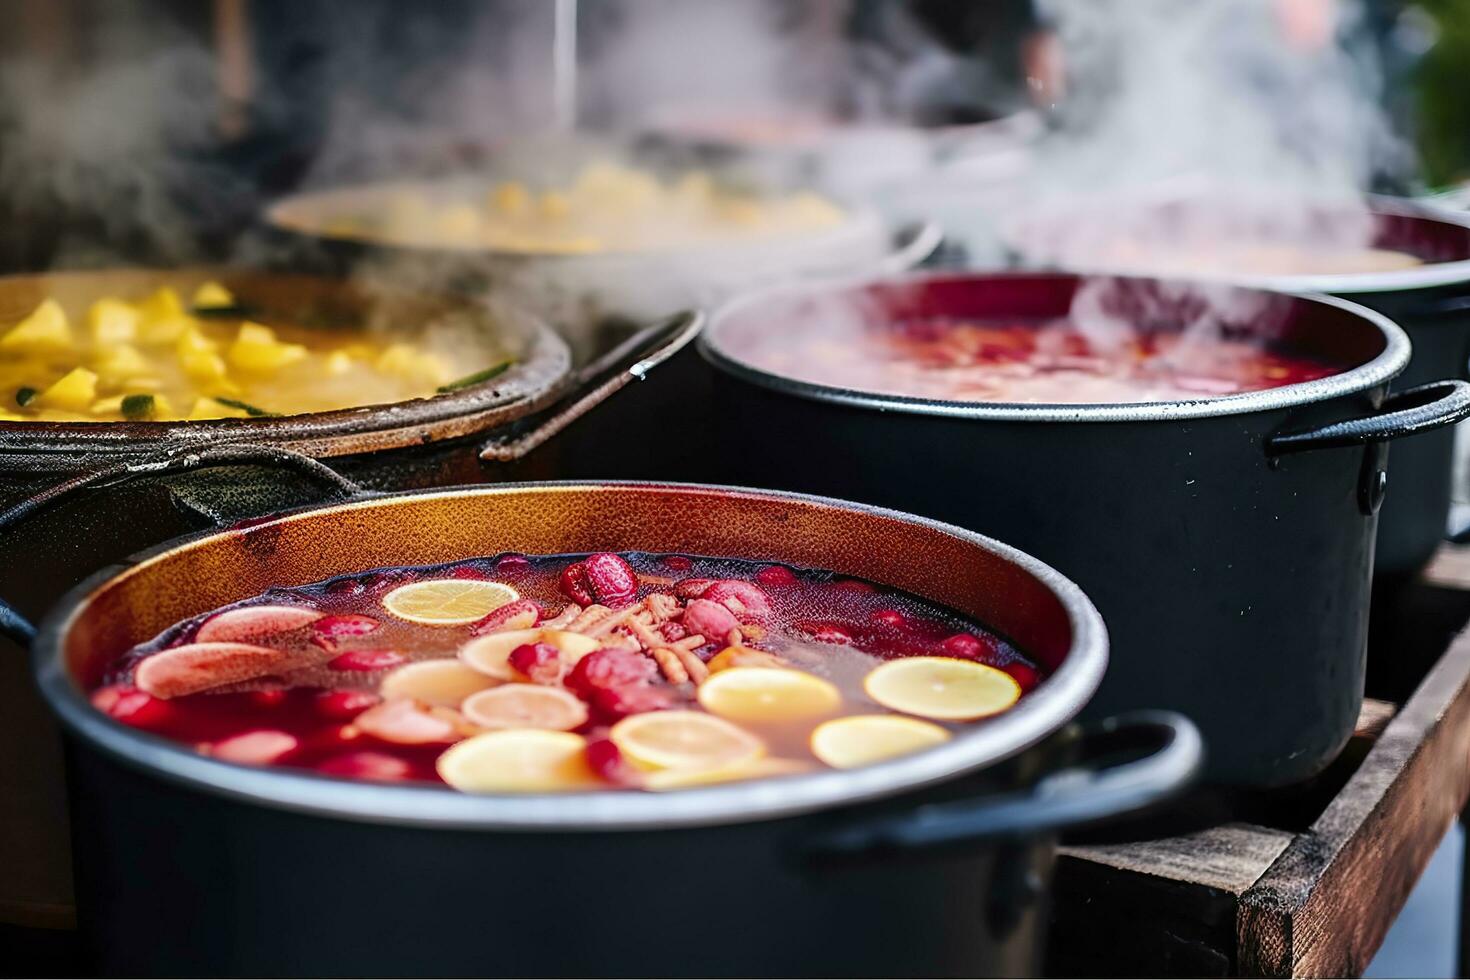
1230, 858
1450, 568
1323, 907
1373, 718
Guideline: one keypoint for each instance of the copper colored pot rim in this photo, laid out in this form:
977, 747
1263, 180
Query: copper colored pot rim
534, 381
447, 524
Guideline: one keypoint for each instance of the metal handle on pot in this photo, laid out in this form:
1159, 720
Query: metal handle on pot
1404, 413
1074, 796
181, 460
629, 361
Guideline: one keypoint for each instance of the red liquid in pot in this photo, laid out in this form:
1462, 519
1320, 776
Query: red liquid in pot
582, 651
1014, 361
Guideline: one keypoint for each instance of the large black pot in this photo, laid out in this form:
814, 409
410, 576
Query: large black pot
933, 864
1431, 302
1228, 542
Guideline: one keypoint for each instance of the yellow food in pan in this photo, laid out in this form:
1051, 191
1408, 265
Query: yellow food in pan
157, 359
607, 208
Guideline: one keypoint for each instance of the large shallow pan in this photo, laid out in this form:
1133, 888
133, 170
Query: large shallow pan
1431, 302
934, 864
1228, 542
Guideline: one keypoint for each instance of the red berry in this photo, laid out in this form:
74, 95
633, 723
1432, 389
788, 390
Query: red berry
1024, 674
710, 619
366, 660
890, 617
966, 646
607, 761
521, 614
692, 588
270, 697
677, 562
775, 575
329, 629
539, 661
343, 705
746, 601
613, 580
825, 632
610, 668
576, 586
133, 707
673, 632
614, 703
366, 765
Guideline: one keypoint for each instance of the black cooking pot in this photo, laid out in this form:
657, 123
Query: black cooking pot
1431, 302
933, 864
1228, 542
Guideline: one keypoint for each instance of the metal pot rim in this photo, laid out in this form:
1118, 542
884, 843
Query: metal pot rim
1379, 370
1035, 718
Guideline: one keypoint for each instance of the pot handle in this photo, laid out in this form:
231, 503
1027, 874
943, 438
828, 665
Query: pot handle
1080, 794
629, 361
182, 460
1404, 413
922, 240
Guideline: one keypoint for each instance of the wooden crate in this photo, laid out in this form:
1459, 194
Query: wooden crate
1311, 882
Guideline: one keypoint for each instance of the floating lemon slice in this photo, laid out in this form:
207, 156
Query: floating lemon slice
448, 601
942, 687
684, 740
666, 779
769, 694
518, 761
442, 682
858, 740
525, 706
490, 655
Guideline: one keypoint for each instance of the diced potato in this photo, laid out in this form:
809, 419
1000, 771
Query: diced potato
164, 304
74, 392
257, 349
193, 341
213, 296
203, 367
46, 329
165, 330
338, 362
121, 363
511, 198
208, 408
411, 364
107, 406
111, 322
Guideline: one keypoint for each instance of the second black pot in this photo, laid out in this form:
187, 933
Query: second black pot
1227, 542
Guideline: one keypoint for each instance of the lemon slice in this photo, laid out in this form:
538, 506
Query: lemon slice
448, 601
518, 761
769, 694
684, 740
442, 682
858, 740
942, 687
667, 779
490, 655
525, 706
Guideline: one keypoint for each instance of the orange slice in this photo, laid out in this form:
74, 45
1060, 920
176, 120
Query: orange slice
490, 655
525, 706
768, 694
448, 601
684, 740
442, 682
518, 761
859, 740
942, 687
667, 779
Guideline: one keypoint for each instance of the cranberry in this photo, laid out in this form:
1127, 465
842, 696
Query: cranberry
677, 562
519, 615
133, 707
366, 765
607, 761
710, 619
576, 586
329, 629
745, 600
366, 660
614, 703
966, 646
539, 661
270, 697
673, 632
613, 580
775, 575
890, 617
1024, 674
825, 632
610, 668
343, 705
